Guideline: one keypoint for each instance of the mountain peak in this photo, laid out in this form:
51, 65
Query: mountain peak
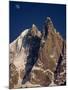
49, 23
48, 27
48, 18
34, 54
33, 25
34, 30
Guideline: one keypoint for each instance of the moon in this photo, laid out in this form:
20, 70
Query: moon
17, 6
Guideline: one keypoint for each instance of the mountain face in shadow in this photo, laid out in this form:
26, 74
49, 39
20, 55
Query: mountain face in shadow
33, 44
38, 58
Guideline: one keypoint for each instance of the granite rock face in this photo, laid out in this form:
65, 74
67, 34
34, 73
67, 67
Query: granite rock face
38, 58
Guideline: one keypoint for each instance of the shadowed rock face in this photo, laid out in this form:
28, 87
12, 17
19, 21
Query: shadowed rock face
34, 46
38, 59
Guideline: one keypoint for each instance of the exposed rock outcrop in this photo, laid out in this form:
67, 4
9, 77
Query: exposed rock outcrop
38, 59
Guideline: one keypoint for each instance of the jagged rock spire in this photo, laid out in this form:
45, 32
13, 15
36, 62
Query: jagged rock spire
49, 23
34, 26
34, 30
48, 26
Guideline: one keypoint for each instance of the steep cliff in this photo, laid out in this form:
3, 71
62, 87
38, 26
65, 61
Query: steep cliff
38, 58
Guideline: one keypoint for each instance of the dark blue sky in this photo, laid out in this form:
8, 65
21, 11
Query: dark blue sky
22, 15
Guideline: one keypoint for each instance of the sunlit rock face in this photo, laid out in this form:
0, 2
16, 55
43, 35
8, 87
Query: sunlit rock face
38, 58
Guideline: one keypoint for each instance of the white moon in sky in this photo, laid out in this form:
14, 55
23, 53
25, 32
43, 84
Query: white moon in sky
18, 6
